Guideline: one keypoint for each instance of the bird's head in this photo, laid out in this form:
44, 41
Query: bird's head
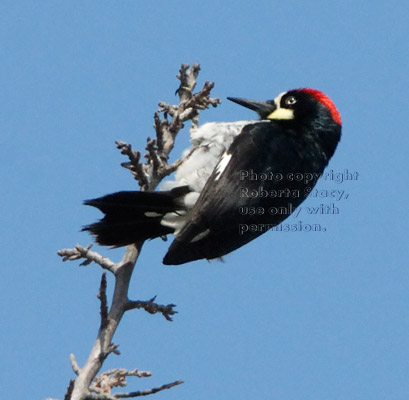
299, 105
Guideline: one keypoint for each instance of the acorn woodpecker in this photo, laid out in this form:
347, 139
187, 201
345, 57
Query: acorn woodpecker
239, 180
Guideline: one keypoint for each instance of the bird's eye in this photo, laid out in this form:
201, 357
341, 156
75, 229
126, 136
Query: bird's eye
289, 101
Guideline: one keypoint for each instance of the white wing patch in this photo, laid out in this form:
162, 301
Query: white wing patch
175, 220
152, 214
201, 235
221, 166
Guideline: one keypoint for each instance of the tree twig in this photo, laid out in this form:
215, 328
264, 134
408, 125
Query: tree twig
148, 391
153, 308
102, 296
90, 256
134, 164
108, 380
157, 168
69, 390
75, 367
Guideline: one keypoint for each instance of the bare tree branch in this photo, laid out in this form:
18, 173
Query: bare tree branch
187, 77
90, 256
148, 391
156, 168
108, 380
88, 385
102, 296
103, 396
134, 164
103, 346
69, 390
75, 367
153, 308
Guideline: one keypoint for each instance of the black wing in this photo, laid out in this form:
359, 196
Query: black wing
223, 218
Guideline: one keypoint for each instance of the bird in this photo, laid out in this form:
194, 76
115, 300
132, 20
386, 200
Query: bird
239, 180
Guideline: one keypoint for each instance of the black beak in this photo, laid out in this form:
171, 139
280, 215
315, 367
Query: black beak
262, 108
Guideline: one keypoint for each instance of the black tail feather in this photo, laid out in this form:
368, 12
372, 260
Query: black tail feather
131, 217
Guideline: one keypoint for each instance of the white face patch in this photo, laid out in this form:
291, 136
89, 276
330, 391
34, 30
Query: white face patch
221, 166
281, 113
277, 100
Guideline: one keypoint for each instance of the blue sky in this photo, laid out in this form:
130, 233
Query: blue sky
301, 315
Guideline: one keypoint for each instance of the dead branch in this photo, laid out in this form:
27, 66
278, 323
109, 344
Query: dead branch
153, 308
148, 391
134, 164
90, 256
108, 380
75, 367
103, 346
87, 384
102, 296
156, 167
69, 390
